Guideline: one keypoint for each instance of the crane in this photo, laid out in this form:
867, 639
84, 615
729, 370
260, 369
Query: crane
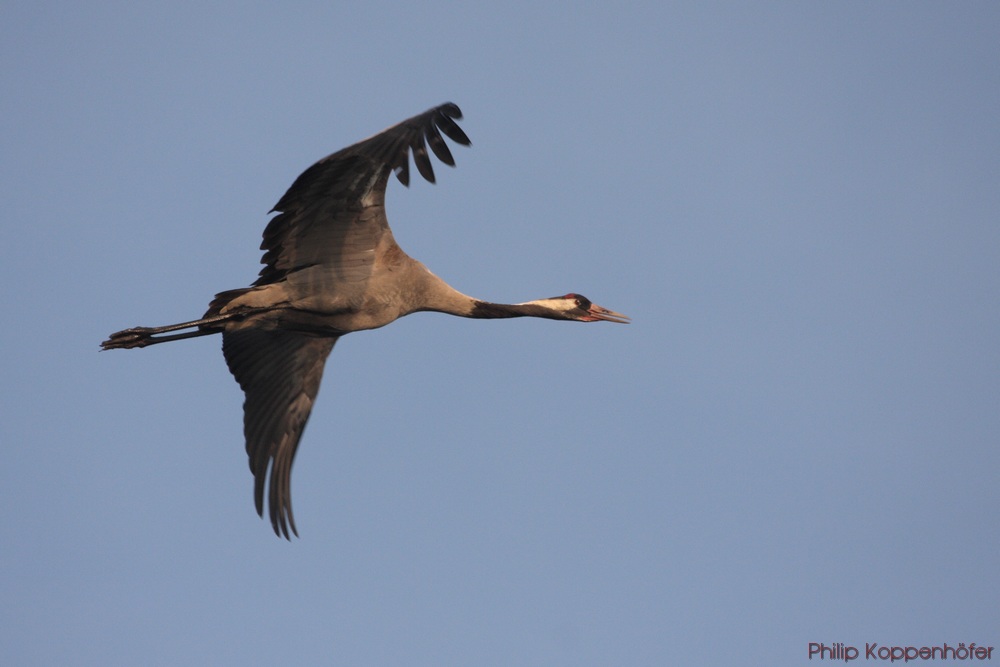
332, 267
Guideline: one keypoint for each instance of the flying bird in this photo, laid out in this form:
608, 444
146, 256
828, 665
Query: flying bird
331, 267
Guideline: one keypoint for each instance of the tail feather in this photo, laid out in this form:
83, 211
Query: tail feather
222, 299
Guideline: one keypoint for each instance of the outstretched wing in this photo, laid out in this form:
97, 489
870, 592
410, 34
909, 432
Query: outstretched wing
334, 214
280, 372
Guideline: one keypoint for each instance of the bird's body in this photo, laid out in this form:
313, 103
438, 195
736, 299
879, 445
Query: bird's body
332, 267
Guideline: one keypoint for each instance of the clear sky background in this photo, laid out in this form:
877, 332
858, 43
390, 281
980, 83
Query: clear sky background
794, 442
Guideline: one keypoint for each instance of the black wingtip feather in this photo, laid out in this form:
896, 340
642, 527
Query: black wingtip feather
434, 122
452, 130
451, 109
422, 160
402, 172
440, 148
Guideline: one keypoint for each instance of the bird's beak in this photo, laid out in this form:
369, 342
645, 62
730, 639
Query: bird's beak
597, 313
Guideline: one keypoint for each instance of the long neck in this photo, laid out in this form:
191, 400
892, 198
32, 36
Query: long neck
441, 297
487, 310
466, 306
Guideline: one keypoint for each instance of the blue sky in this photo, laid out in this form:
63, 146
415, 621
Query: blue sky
794, 441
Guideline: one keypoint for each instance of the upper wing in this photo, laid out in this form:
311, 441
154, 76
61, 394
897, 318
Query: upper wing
279, 371
334, 214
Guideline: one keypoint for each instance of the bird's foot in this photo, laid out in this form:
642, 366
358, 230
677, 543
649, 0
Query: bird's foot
129, 338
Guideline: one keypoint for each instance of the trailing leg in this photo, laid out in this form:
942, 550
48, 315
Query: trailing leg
143, 336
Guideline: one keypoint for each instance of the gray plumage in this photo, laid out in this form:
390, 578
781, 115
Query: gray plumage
331, 267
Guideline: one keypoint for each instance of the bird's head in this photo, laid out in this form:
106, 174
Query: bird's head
578, 308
